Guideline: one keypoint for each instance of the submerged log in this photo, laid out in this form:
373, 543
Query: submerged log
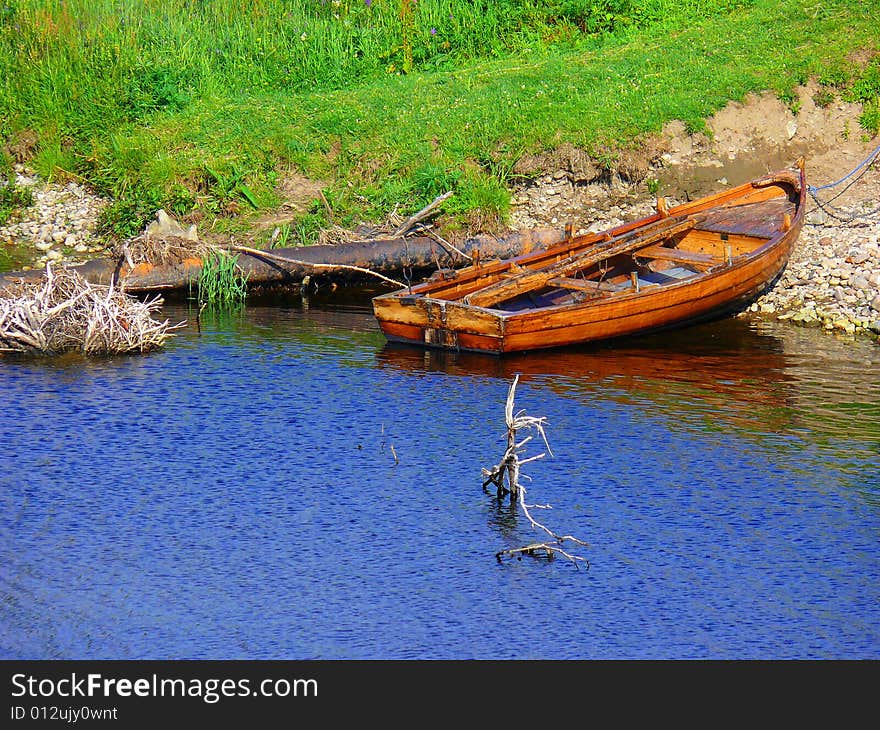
408, 258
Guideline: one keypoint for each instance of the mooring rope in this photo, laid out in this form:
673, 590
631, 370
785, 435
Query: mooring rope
864, 163
837, 213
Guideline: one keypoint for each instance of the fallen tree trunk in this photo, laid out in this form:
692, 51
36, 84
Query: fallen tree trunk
404, 258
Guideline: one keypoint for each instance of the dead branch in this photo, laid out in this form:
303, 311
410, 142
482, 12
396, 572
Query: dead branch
549, 550
509, 467
404, 227
510, 462
62, 312
538, 525
443, 242
393, 227
285, 260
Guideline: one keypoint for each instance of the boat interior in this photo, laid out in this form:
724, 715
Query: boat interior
671, 250
715, 239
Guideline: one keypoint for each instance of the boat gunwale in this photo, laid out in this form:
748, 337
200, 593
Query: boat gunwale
619, 306
469, 274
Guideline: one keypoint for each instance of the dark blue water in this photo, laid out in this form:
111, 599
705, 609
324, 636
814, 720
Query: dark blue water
282, 484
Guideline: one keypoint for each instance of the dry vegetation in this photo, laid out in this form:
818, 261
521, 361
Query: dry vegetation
62, 312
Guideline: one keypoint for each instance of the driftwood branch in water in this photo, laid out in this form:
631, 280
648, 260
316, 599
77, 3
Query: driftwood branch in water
510, 462
284, 259
509, 467
549, 550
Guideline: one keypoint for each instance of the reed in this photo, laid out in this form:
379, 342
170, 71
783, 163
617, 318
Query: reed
221, 281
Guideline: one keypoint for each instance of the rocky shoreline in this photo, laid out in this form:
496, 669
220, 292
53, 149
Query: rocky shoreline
832, 280
59, 226
833, 277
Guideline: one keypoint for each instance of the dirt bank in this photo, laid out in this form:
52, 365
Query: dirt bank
744, 141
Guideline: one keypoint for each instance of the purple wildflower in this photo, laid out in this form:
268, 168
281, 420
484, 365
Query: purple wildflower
433, 31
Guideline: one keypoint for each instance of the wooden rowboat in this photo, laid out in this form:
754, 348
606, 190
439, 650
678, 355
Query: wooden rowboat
684, 264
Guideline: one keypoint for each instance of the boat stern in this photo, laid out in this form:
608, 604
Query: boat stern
420, 320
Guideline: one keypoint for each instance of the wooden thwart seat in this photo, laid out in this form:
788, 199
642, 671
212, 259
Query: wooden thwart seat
702, 260
530, 280
566, 282
599, 288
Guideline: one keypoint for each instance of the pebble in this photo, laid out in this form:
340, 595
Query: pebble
832, 280
61, 224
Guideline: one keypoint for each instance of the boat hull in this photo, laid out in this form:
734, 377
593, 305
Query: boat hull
429, 316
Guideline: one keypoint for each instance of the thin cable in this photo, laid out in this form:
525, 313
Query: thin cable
867, 161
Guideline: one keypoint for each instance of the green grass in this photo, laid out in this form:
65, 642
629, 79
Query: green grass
201, 107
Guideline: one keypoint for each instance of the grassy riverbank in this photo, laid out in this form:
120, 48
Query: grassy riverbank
203, 108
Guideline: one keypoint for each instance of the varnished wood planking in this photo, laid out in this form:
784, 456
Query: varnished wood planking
532, 280
773, 208
713, 243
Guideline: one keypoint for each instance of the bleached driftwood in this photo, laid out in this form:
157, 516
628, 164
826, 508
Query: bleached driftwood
62, 312
509, 467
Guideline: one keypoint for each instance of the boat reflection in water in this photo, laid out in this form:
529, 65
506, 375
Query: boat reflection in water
762, 375
726, 371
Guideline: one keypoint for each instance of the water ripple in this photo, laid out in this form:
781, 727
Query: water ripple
280, 483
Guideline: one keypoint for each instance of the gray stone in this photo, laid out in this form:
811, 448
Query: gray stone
165, 225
